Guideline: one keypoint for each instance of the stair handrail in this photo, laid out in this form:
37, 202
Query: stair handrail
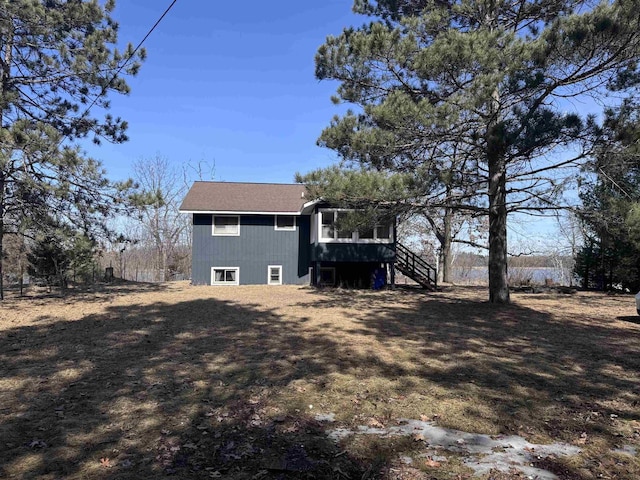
426, 270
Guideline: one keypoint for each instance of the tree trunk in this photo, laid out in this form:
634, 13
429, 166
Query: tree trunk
497, 165
5, 76
1, 235
163, 265
587, 268
1, 254
444, 272
498, 280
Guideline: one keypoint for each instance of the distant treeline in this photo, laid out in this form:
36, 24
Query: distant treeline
525, 261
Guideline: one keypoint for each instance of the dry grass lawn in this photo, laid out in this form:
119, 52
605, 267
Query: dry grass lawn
144, 381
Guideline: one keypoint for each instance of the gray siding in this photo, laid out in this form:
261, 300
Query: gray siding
258, 246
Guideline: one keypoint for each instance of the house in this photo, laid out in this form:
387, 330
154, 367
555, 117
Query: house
267, 233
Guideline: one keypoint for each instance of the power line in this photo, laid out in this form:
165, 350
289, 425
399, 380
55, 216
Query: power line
114, 76
135, 50
120, 68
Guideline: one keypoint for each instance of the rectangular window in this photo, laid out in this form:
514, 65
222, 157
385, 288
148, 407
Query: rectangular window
365, 234
226, 225
274, 273
383, 232
225, 276
328, 224
327, 276
345, 234
329, 231
285, 222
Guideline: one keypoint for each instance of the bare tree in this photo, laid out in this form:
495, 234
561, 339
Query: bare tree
161, 188
571, 236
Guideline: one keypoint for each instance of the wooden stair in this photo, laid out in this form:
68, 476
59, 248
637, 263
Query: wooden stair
415, 267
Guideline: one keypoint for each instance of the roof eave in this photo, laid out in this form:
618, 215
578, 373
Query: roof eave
237, 212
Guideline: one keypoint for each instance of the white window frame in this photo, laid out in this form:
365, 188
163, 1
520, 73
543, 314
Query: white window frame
335, 237
354, 235
285, 229
213, 226
381, 240
213, 278
279, 282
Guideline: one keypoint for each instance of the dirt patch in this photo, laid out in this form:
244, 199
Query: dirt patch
142, 381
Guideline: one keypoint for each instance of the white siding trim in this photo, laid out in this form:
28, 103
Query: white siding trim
314, 228
236, 212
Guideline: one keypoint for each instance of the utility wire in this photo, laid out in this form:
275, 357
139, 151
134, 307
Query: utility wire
127, 60
135, 50
121, 67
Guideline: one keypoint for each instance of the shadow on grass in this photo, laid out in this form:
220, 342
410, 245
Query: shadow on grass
186, 388
522, 361
85, 292
147, 390
630, 319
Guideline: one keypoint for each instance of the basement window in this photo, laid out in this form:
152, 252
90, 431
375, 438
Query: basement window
225, 276
327, 276
274, 273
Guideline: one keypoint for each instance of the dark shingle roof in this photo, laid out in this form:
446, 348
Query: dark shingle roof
244, 197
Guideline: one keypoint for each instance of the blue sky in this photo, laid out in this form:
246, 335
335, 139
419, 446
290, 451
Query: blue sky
227, 82
232, 83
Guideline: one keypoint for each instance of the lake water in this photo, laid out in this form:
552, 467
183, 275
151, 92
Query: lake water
517, 275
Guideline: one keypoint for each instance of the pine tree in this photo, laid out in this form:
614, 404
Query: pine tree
58, 61
49, 260
610, 213
478, 88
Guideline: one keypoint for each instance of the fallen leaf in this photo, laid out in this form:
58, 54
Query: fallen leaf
431, 463
291, 429
105, 462
375, 423
583, 439
37, 444
418, 437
